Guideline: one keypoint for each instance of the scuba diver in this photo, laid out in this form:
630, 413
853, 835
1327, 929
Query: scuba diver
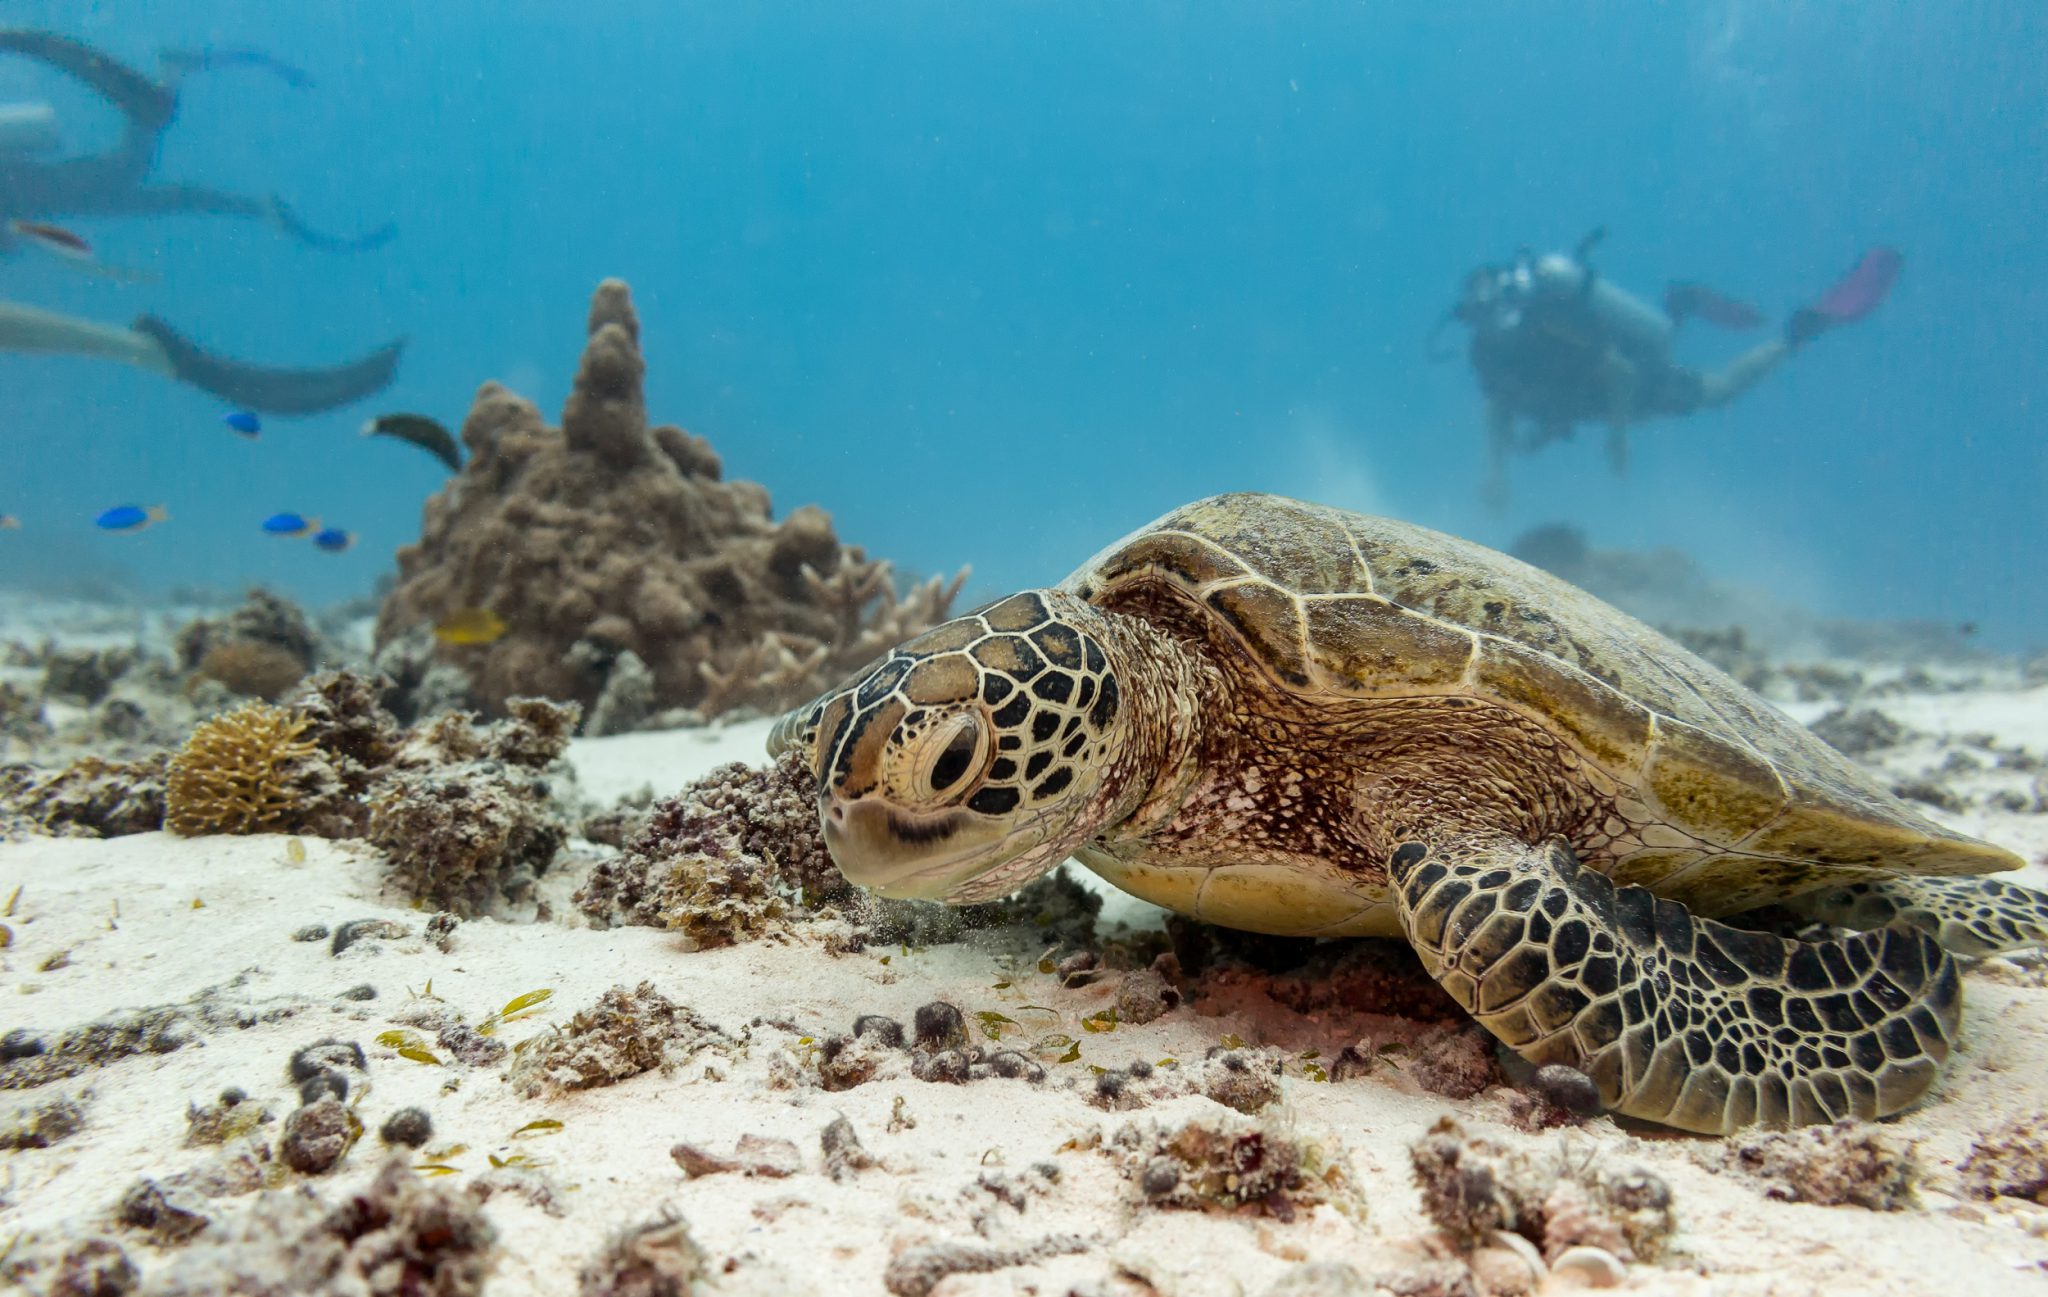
152, 345
35, 185
1556, 345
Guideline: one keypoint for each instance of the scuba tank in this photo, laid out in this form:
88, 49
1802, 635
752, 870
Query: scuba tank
1638, 329
1562, 291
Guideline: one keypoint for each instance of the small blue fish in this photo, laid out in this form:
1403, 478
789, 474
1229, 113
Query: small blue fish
130, 517
333, 539
289, 524
243, 422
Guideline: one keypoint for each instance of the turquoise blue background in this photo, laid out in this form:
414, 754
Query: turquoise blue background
996, 282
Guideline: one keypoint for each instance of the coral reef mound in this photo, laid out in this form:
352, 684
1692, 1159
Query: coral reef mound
613, 551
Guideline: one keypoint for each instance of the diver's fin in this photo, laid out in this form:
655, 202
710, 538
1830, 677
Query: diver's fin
1849, 298
290, 222
269, 390
145, 103
1863, 289
1685, 300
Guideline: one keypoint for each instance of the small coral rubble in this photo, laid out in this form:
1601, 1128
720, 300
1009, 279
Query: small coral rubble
1225, 1161
1850, 1162
610, 546
624, 1034
1472, 1186
399, 1236
2011, 1161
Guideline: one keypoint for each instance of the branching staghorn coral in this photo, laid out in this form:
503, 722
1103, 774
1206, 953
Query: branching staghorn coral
247, 771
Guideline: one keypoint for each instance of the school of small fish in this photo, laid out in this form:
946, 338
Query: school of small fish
414, 429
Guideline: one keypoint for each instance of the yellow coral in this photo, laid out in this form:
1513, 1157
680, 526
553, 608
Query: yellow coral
236, 773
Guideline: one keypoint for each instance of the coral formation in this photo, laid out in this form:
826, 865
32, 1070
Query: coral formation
90, 797
39, 1125
2011, 1161
251, 669
1851, 1162
84, 675
411, 1127
68, 1267
171, 1214
260, 650
397, 1237
654, 1259
317, 1136
738, 854
1472, 1186
29, 1058
607, 538
249, 771
1224, 1161
1858, 732
916, 1271
462, 812
231, 1116
1245, 1080
723, 860
623, 1034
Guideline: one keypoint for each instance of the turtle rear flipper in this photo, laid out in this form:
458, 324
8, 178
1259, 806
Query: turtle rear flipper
1677, 1019
1970, 916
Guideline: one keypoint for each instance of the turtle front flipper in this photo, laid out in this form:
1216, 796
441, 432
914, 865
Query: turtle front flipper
1970, 916
1677, 1019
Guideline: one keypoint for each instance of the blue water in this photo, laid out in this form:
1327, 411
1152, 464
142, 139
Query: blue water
994, 283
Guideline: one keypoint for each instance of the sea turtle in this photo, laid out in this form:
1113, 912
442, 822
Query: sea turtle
1294, 719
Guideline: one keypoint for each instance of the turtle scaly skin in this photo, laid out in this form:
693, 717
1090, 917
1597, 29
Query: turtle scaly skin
1292, 719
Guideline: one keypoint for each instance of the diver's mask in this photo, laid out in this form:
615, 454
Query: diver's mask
1492, 299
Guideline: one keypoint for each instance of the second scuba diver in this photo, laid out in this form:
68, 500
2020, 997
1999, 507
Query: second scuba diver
37, 183
1554, 345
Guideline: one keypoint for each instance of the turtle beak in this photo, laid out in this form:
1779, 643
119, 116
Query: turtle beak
901, 856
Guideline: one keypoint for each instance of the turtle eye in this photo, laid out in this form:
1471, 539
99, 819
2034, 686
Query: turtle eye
954, 752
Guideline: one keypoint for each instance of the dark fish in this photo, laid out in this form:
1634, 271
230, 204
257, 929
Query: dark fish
54, 237
130, 517
1863, 289
289, 524
1684, 301
421, 431
333, 539
244, 422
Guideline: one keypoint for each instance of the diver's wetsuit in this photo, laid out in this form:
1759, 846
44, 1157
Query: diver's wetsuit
113, 183
153, 345
1549, 358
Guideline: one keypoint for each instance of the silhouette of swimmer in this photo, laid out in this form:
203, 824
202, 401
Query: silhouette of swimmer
38, 187
1555, 344
152, 345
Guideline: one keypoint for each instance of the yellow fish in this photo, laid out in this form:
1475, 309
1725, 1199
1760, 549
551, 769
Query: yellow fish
470, 626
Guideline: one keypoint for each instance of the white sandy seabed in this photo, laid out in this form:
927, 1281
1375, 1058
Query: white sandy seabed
806, 1233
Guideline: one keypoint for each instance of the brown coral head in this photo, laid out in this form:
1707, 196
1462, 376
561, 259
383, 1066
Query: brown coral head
970, 759
252, 668
612, 303
240, 773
